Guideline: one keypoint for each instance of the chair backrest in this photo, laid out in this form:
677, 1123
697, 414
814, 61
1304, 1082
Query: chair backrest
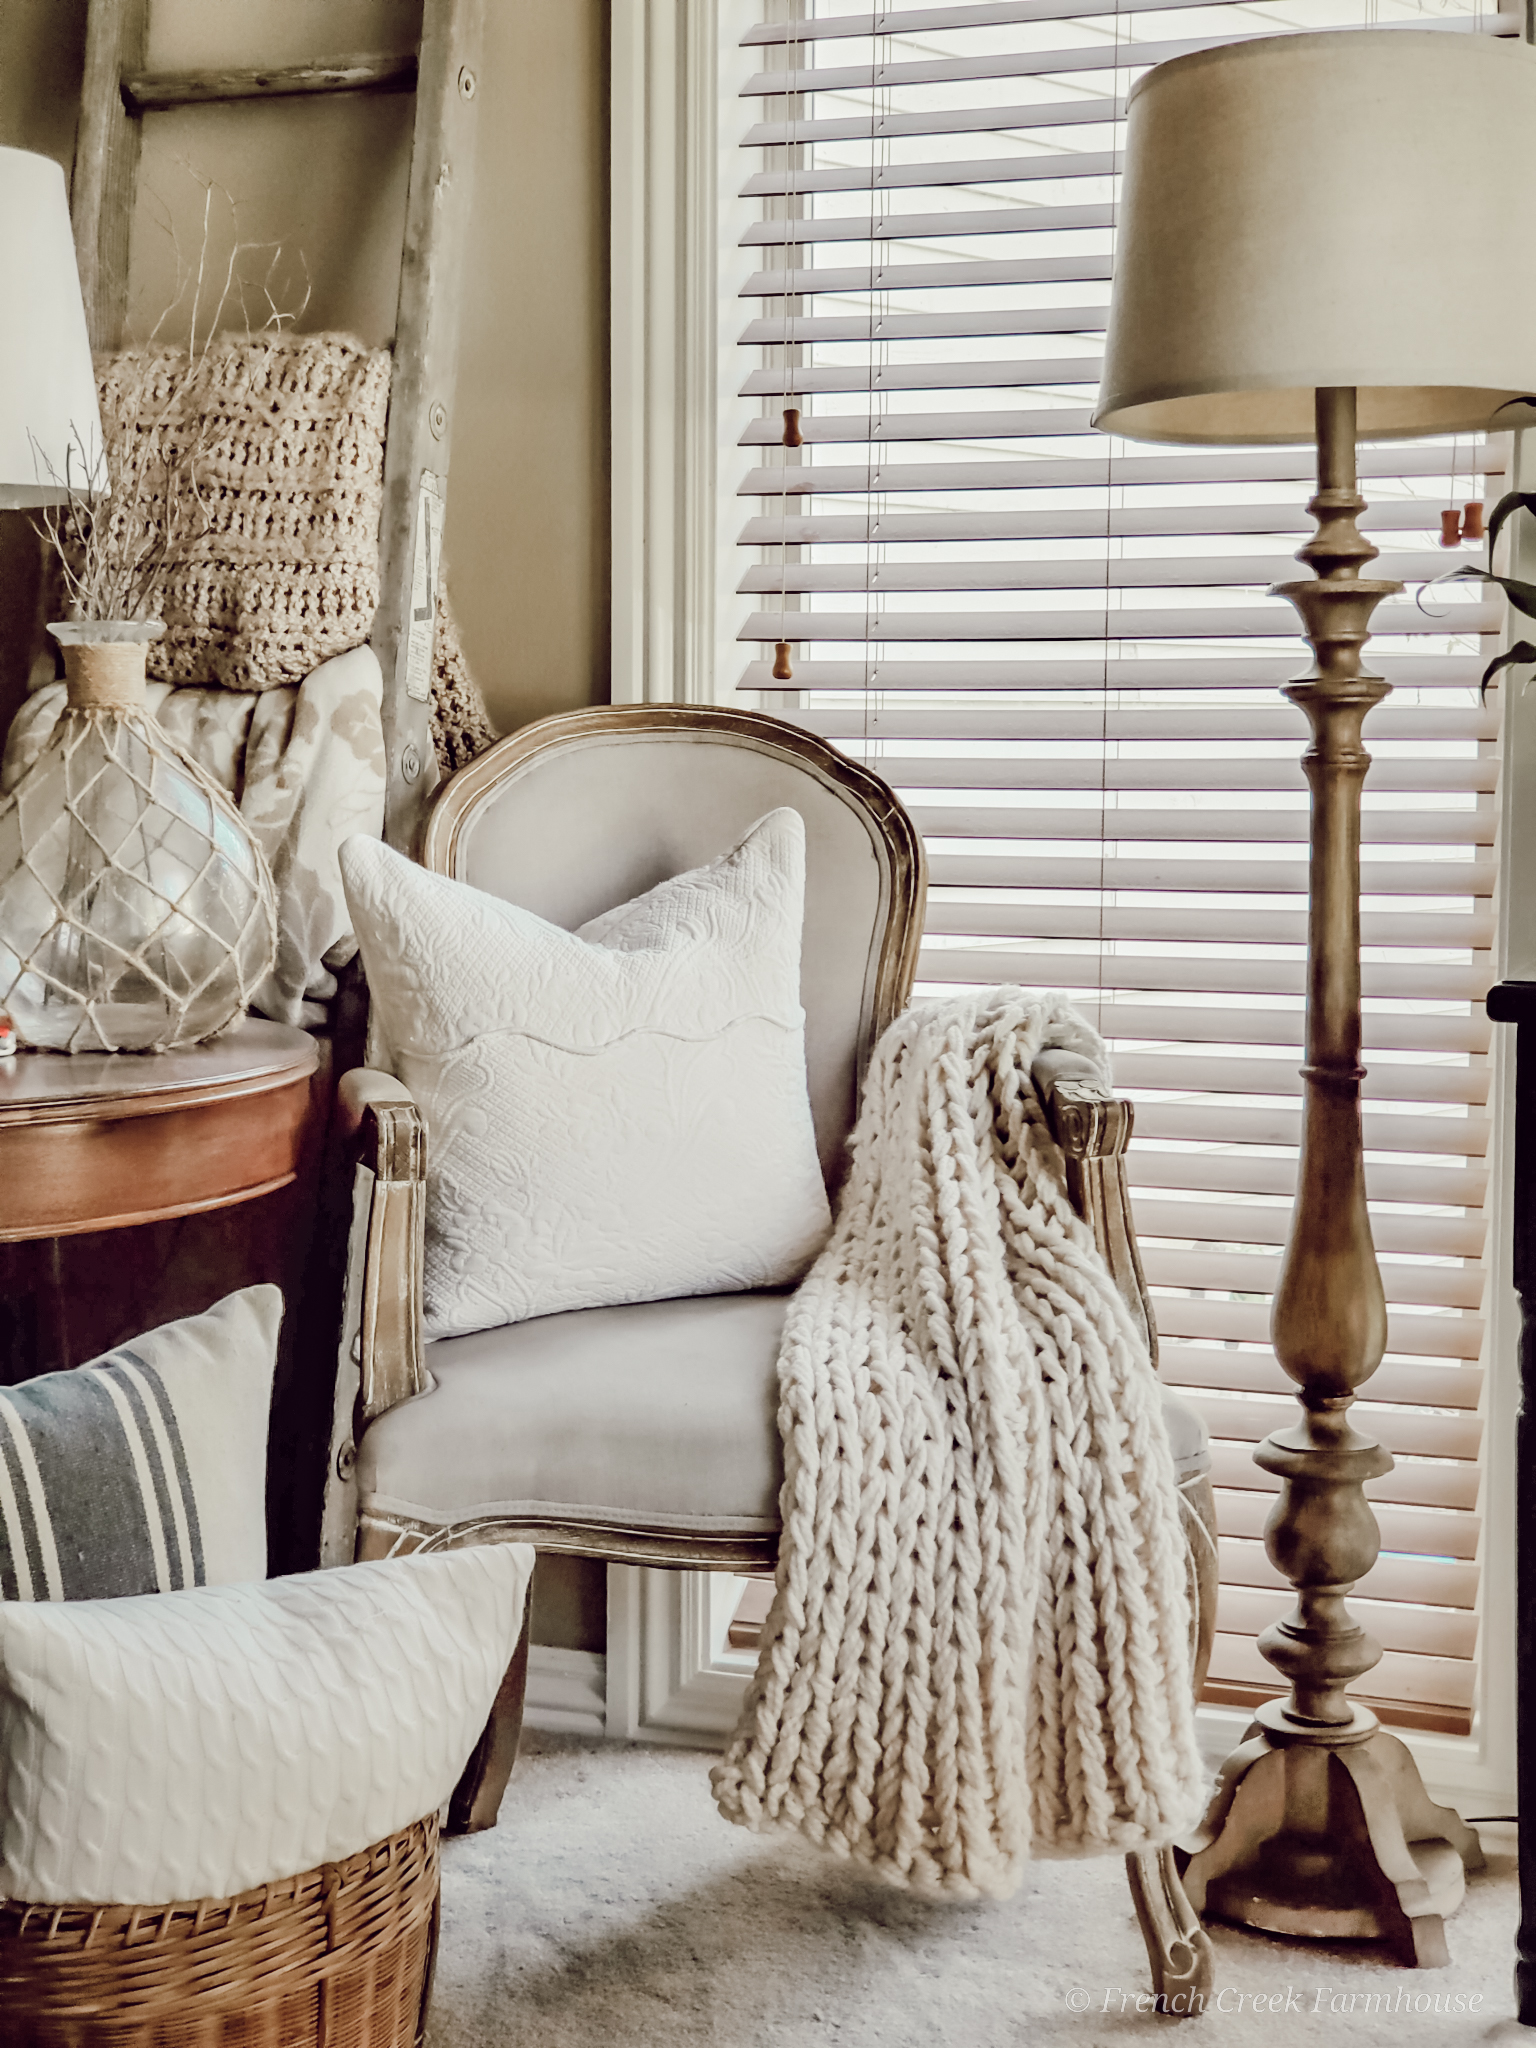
576, 814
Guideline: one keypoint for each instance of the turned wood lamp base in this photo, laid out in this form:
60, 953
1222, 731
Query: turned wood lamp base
1321, 1826
1331, 1838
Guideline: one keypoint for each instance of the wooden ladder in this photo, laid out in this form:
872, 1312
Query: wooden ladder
116, 94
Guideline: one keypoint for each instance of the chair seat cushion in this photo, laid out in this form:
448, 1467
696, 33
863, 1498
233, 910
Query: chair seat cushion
655, 1415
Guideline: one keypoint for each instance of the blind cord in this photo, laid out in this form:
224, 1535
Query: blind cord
876, 355
783, 669
1109, 523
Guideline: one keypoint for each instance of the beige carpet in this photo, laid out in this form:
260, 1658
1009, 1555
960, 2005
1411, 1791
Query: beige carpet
613, 1908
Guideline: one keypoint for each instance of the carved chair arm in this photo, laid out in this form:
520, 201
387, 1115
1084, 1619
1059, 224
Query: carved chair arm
1092, 1125
383, 1127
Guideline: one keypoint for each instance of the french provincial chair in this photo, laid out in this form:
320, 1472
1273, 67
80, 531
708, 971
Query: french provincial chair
646, 1434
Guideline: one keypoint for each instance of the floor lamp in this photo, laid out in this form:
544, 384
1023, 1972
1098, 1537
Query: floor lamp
1319, 235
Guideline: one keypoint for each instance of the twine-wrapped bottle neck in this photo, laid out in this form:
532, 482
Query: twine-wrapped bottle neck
105, 678
104, 661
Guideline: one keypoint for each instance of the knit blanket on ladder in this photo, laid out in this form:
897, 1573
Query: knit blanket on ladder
979, 1641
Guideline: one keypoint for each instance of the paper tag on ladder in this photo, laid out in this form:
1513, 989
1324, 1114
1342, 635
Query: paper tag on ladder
429, 545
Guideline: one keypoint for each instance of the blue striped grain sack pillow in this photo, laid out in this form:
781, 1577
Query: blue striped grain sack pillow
144, 1471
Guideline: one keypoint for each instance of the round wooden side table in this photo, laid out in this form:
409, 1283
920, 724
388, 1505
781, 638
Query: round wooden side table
98, 1141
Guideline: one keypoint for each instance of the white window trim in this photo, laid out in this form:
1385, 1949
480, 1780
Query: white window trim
675, 416
675, 423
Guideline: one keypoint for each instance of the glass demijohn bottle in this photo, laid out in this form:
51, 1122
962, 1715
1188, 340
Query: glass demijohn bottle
136, 911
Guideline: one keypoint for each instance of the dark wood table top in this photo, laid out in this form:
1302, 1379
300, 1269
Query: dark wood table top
96, 1141
250, 1058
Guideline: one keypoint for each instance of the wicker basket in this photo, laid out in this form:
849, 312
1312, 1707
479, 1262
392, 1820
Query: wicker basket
339, 1957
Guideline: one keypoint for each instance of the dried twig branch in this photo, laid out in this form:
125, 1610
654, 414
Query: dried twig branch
166, 419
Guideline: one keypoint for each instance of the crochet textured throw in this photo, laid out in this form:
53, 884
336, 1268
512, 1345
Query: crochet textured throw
273, 454
979, 1641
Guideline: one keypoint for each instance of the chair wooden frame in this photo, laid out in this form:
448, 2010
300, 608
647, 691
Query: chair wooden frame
383, 1359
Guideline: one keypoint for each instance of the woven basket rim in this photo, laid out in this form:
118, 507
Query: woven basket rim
33, 1921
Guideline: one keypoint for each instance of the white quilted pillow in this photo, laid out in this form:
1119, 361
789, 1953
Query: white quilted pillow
614, 1114
189, 1745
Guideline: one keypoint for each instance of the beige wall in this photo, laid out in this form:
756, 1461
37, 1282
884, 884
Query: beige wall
526, 544
527, 529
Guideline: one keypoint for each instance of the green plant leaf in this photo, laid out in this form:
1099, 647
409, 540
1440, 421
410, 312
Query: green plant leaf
1521, 595
1512, 501
1514, 657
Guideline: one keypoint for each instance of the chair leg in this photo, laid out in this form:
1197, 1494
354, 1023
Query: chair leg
476, 1798
1178, 1947
1197, 1505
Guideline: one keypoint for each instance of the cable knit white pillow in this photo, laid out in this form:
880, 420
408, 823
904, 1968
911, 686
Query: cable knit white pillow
614, 1114
189, 1745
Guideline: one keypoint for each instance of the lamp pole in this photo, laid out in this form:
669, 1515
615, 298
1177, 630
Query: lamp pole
1321, 1825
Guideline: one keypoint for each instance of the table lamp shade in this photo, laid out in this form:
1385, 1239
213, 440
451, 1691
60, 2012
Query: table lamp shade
50, 428
1350, 209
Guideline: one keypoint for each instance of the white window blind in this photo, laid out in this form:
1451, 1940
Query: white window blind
1058, 648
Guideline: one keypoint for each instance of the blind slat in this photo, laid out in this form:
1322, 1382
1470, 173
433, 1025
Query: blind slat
1036, 771
981, 14
1470, 878
1385, 1130
875, 126
1081, 472
1269, 1223
925, 277
976, 966
1424, 1681
808, 231
1173, 925
1216, 670
1131, 825
1446, 1183
1388, 1081
1058, 573
1258, 1372
1436, 1581
1402, 1432
1183, 622
1215, 723
940, 426
787, 381
1258, 1272
1419, 1336
1421, 1630
1100, 55
1218, 1024
1412, 1483
1413, 1532
1160, 522
993, 170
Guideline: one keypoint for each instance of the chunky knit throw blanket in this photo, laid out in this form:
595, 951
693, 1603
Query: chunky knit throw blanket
979, 1641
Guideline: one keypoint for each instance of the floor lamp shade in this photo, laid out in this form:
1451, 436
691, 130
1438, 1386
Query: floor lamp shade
50, 429
1350, 209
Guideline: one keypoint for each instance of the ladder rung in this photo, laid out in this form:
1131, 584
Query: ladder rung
152, 92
